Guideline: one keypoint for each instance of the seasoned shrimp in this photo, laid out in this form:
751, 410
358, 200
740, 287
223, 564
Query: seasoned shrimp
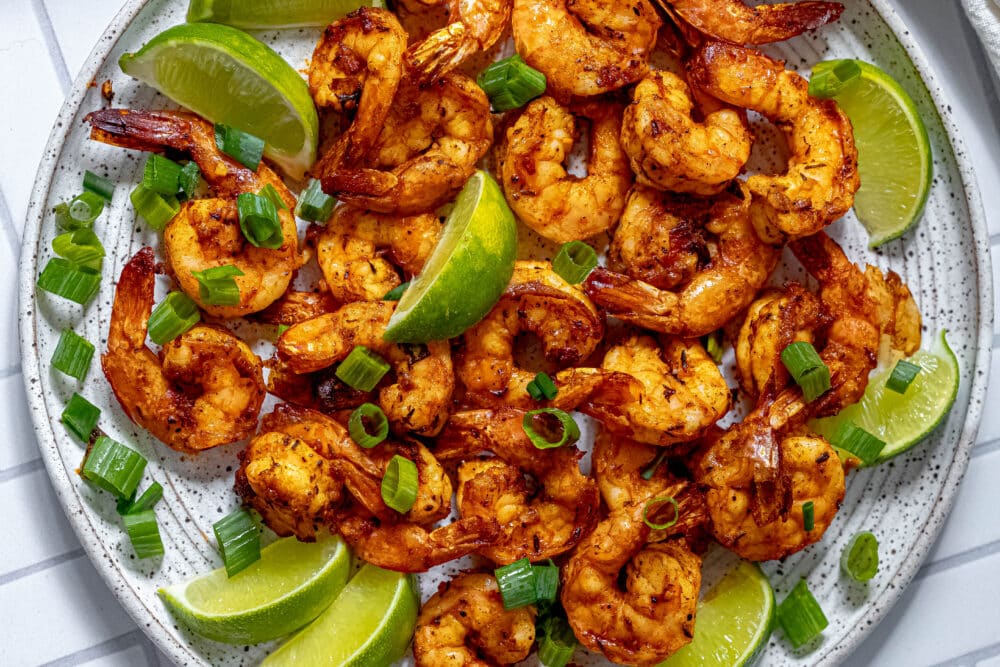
533, 525
739, 263
205, 233
822, 176
733, 21
532, 160
669, 150
295, 306
203, 390
362, 253
473, 27
419, 398
683, 393
465, 625
428, 148
586, 47
538, 301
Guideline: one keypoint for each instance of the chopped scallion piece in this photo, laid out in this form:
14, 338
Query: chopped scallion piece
188, 179
243, 147
113, 467
556, 642
831, 77
808, 515
654, 505
800, 615
368, 425
271, 193
860, 558
314, 204
217, 285
146, 501
648, 473
548, 428
161, 175
80, 417
362, 369
396, 293
239, 540
282, 328
156, 209
81, 247
80, 212
259, 220
98, 185
546, 582
144, 533
172, 317
902, 375
76, 283
853, 439
511, 83
807, 369
516, 583
399, 484
574, 261
542, 387
713, 345
73, 354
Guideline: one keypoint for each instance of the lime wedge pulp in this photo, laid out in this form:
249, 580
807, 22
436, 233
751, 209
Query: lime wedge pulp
370, 623
229, 77
291, 584
903, 420
250, 14
467, 272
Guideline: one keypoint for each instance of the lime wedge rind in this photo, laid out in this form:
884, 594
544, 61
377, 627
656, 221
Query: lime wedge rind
263, 14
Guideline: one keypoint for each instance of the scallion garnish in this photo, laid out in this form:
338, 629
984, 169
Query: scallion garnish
282, 328
396, 293
73, 354
853, 439
156, 209
243, 147
259, 220
517, 584
399, 484
76, 283
368, 425
271, 193
542, 387
81, 247
713, 345
829, 78
808, 515
902, 375
860, 558
654, 505
648, 473
548, 428
144, 533
807, 369
362, 369
800, 616
217, 285
511, 83
146, 501
314, 204
80, 417
161, 175
239, 540
556, 642
99, 185
188, 179
546, 582
172, 317
113, 467
574, 261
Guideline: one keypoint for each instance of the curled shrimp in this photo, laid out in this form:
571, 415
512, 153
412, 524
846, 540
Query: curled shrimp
535, 524
542, 193
733, 21
206, 233
296, 306
822, 176
586, 47
362, 253
669, 150
473, 26
465, 624
428, 148
418, 398
203, 390
739, 263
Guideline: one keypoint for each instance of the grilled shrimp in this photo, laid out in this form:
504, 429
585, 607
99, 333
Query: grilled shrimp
586, 47
473, 26
203, 390
682, 391
669, 150
535, 524
465, 625
295, 306
822, 176
739, 263
419, 398
735, 22
205, 233
532, 160
428, 148
538, 301
362, 253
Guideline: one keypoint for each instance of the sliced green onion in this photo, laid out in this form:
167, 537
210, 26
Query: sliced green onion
399, 484
282, 328
271, 193
147, 501
172, 317
655, 504
534, 391
243, 147
80, 212
217, 285
81, 247
815, 383
556, 642
648, 473
800, 616
98, 185
156, 209
853, 439
511, 83
396, 293
713, 345
362, 369
516, 583
368, 425
808, 515
112, 466
239, 540
548, 428
830, 78
574, 261
188, 179
161, 175
542, 387
546, 583
76, 283
807, 369
80, 417
144, 533
314, 204
902, 375
259, 220
860, 558
73, 354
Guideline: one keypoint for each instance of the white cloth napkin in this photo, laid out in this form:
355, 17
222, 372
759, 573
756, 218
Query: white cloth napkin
985, 18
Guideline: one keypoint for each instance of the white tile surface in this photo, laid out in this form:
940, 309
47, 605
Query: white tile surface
34, 523
78, 31
989, 429
18, 444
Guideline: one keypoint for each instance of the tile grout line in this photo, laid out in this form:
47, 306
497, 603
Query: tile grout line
9, 228
986, 447
52, 42
105, 648
996, 336
995, 239
20, 470
41, 566
973, 657
959, 559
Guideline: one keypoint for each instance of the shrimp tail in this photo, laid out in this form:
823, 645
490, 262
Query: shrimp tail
443, 50
140, 130
631, 300
359, 182
739, 24
133, 303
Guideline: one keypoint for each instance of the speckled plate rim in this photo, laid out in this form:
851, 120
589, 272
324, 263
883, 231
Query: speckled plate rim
150, 621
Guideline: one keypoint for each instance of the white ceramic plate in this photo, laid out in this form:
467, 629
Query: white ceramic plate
945, 262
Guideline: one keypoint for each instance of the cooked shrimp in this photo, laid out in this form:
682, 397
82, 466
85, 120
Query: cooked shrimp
416, 401
739, 264
822, 176
362, 253
534, 525
683, 393
203, 390
473, 27
205, 233
669, 150
295, 306
532, 160
538, 301
428, 148
586, 47
735, 22
465, 625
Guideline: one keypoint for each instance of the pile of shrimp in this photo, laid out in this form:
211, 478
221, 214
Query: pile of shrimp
691, 246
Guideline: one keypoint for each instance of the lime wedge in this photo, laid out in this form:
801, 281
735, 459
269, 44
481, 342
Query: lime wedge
903, 420
291, 584
249, 14
467, 272
894, 153
735, 616
370, 623
229, 77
